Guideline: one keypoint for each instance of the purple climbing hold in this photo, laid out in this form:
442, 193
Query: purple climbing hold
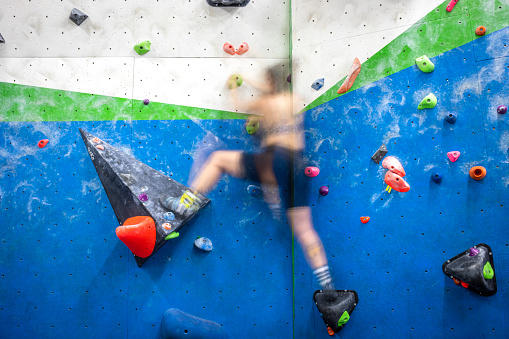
143, 197
473, 252
289, 78
146, 101
324, 190
502, 109
2, 40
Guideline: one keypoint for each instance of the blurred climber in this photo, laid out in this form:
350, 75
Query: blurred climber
277, 167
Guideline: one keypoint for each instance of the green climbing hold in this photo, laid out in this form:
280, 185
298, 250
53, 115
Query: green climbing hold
235, 81
143, 47
429, 101
425, 64
344, 318
172, 235
488, 271
252, 125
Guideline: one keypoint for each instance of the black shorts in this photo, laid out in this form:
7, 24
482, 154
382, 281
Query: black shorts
288, 167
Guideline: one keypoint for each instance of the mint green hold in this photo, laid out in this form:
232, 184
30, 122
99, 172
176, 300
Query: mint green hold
344, 318
425, 64
429, 101
143, 47
172, 235
488, 271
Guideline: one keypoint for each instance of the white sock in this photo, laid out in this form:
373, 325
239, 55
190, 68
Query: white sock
324, 278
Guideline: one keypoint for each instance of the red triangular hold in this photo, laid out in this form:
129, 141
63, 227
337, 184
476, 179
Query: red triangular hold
139, 235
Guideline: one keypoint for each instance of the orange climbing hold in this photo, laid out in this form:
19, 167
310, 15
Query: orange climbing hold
96, 140
393, 164
481, 30
139, 235
350, 79
365, 220
101, 147
228, 48
456, 281
330, 331
396, 182
244, 47
42, 143
477, 172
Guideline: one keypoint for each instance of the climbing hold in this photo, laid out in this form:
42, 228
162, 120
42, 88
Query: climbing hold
393, 164
77, 16
451, 117
252, 125
335, 307
481, 30
166, 226
178, 324
289, 78
243, 48
2, 40
429, 101
451, 5
317, 84
488, 271
324, 190
228, 3
453, 156
425, 64
473, 251
311, 171
96, 140
502, 109
365, 220
203, 244
350, 79
473, 271
169, 216
379, 154
396, 182
146, 101
436, 177
235, 81
254, 191
172, 235
101, 147
143, 197
139, 235
42, 143
456, 281
477, 172
143, 47
228, 48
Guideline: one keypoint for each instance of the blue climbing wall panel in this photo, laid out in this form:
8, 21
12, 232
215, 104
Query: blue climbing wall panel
394, 262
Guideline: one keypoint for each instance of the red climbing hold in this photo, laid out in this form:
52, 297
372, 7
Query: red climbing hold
464, 284
228, 48
43, 143
481, 30
350, 79
139, 235
453, 156
451, 5
396, 182
364, 220
311, 171
244, 47
393, 164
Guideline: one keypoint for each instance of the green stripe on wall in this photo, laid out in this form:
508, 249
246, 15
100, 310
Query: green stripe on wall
436, 33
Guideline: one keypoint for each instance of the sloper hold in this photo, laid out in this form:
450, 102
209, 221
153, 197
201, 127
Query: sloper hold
350, 79
396, 182
335, 307
177, 324
451, 117
429, 101
228, 3
379, 154
470, 270
317, 84
143, 47
114, 167
393, 164
425, 64
77, 16
2, 40
139, 235
437, 177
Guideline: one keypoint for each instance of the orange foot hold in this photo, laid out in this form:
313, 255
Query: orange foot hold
477, 172
365, 220
350, 79
139, 235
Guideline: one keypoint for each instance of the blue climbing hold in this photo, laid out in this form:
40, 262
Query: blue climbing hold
177, 324
318, 84
254, 191
169, 216
451, 117
437, 177
203, 244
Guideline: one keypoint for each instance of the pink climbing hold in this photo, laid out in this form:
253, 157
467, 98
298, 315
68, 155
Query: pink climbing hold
350, 79
451, 5
453, 156
393, 164
244, 47
396, 182
228, 48
312, 171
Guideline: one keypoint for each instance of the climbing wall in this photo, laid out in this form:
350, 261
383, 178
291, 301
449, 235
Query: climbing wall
394, 261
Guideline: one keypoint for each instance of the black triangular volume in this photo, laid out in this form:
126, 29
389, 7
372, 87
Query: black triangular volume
468, 267
228, 3
2, 40
332, 304
124, 179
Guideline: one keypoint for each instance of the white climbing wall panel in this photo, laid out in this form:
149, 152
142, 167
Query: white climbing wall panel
329, 34
44, 48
